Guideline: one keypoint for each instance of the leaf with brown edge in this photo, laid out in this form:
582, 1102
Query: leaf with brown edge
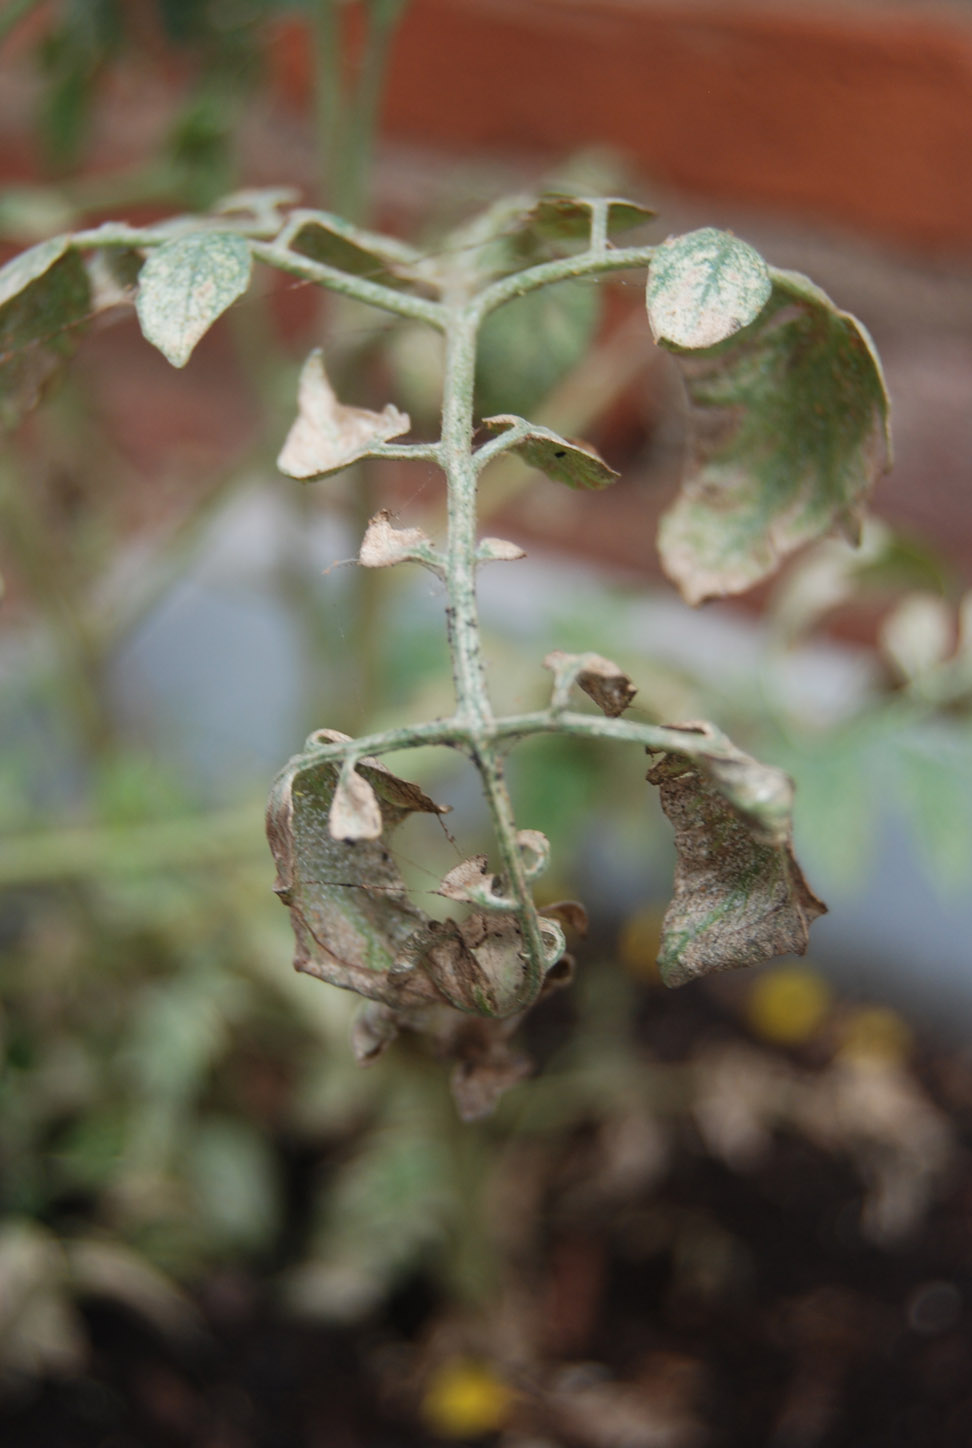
740, 896
384, 545
788, 423
351, 915
601, 680
328, 435
574, 463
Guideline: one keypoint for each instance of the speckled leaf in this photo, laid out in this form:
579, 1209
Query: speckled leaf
328, 435
788, 426
573, 463
740, 896
186, 284
45, 296
703, 287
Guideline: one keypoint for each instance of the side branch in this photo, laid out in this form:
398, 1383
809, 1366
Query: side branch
569, 268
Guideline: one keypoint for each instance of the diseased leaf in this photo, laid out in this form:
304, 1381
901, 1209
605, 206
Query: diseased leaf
350, 912
384, 545
327, 435
574, 463
355, 813
498, 550
703, 287
186, 284
609, 687
353, 921
356, 928
740, 896
788, 424
45, 296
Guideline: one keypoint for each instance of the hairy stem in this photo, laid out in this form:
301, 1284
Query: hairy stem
473, 707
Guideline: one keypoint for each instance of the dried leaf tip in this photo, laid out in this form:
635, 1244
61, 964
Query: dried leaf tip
328, 435
609, 687
384, 545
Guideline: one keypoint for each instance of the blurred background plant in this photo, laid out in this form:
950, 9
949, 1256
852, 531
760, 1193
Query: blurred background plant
183, 1133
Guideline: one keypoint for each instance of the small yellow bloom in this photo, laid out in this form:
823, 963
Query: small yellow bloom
464, 1399
787, 1005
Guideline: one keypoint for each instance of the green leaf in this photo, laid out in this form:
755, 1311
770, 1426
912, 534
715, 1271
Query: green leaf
788, 421
573, 463
45, 295
740, 896
555, 218
186, 284
336, 243
528, 345
703, 287
235, 1181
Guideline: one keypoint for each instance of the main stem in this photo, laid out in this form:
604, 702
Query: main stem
473, 708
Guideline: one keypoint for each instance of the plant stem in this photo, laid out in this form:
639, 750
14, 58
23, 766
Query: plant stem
328, 92
358, 141
473, 707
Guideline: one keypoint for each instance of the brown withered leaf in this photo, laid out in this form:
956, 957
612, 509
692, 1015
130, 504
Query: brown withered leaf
609, 687
740, 896
384, 544
328, 435
349, 909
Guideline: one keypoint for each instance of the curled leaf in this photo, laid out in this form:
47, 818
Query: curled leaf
186, 284
788, 430
383, 544
573, 463
350, 912
355, 813
470, 880
740, 896
609, 687
703, 287
327, 435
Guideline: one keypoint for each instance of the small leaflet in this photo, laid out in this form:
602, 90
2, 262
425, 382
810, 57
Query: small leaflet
574, 463
384, 545
355, 813
703, 287
609, 687
186, 284
498, 550
327, 435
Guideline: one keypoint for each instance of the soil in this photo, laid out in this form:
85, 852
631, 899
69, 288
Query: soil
730, 1295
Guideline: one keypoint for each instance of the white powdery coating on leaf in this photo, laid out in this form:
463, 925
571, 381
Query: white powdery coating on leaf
703, 287
327, 435
185, 285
